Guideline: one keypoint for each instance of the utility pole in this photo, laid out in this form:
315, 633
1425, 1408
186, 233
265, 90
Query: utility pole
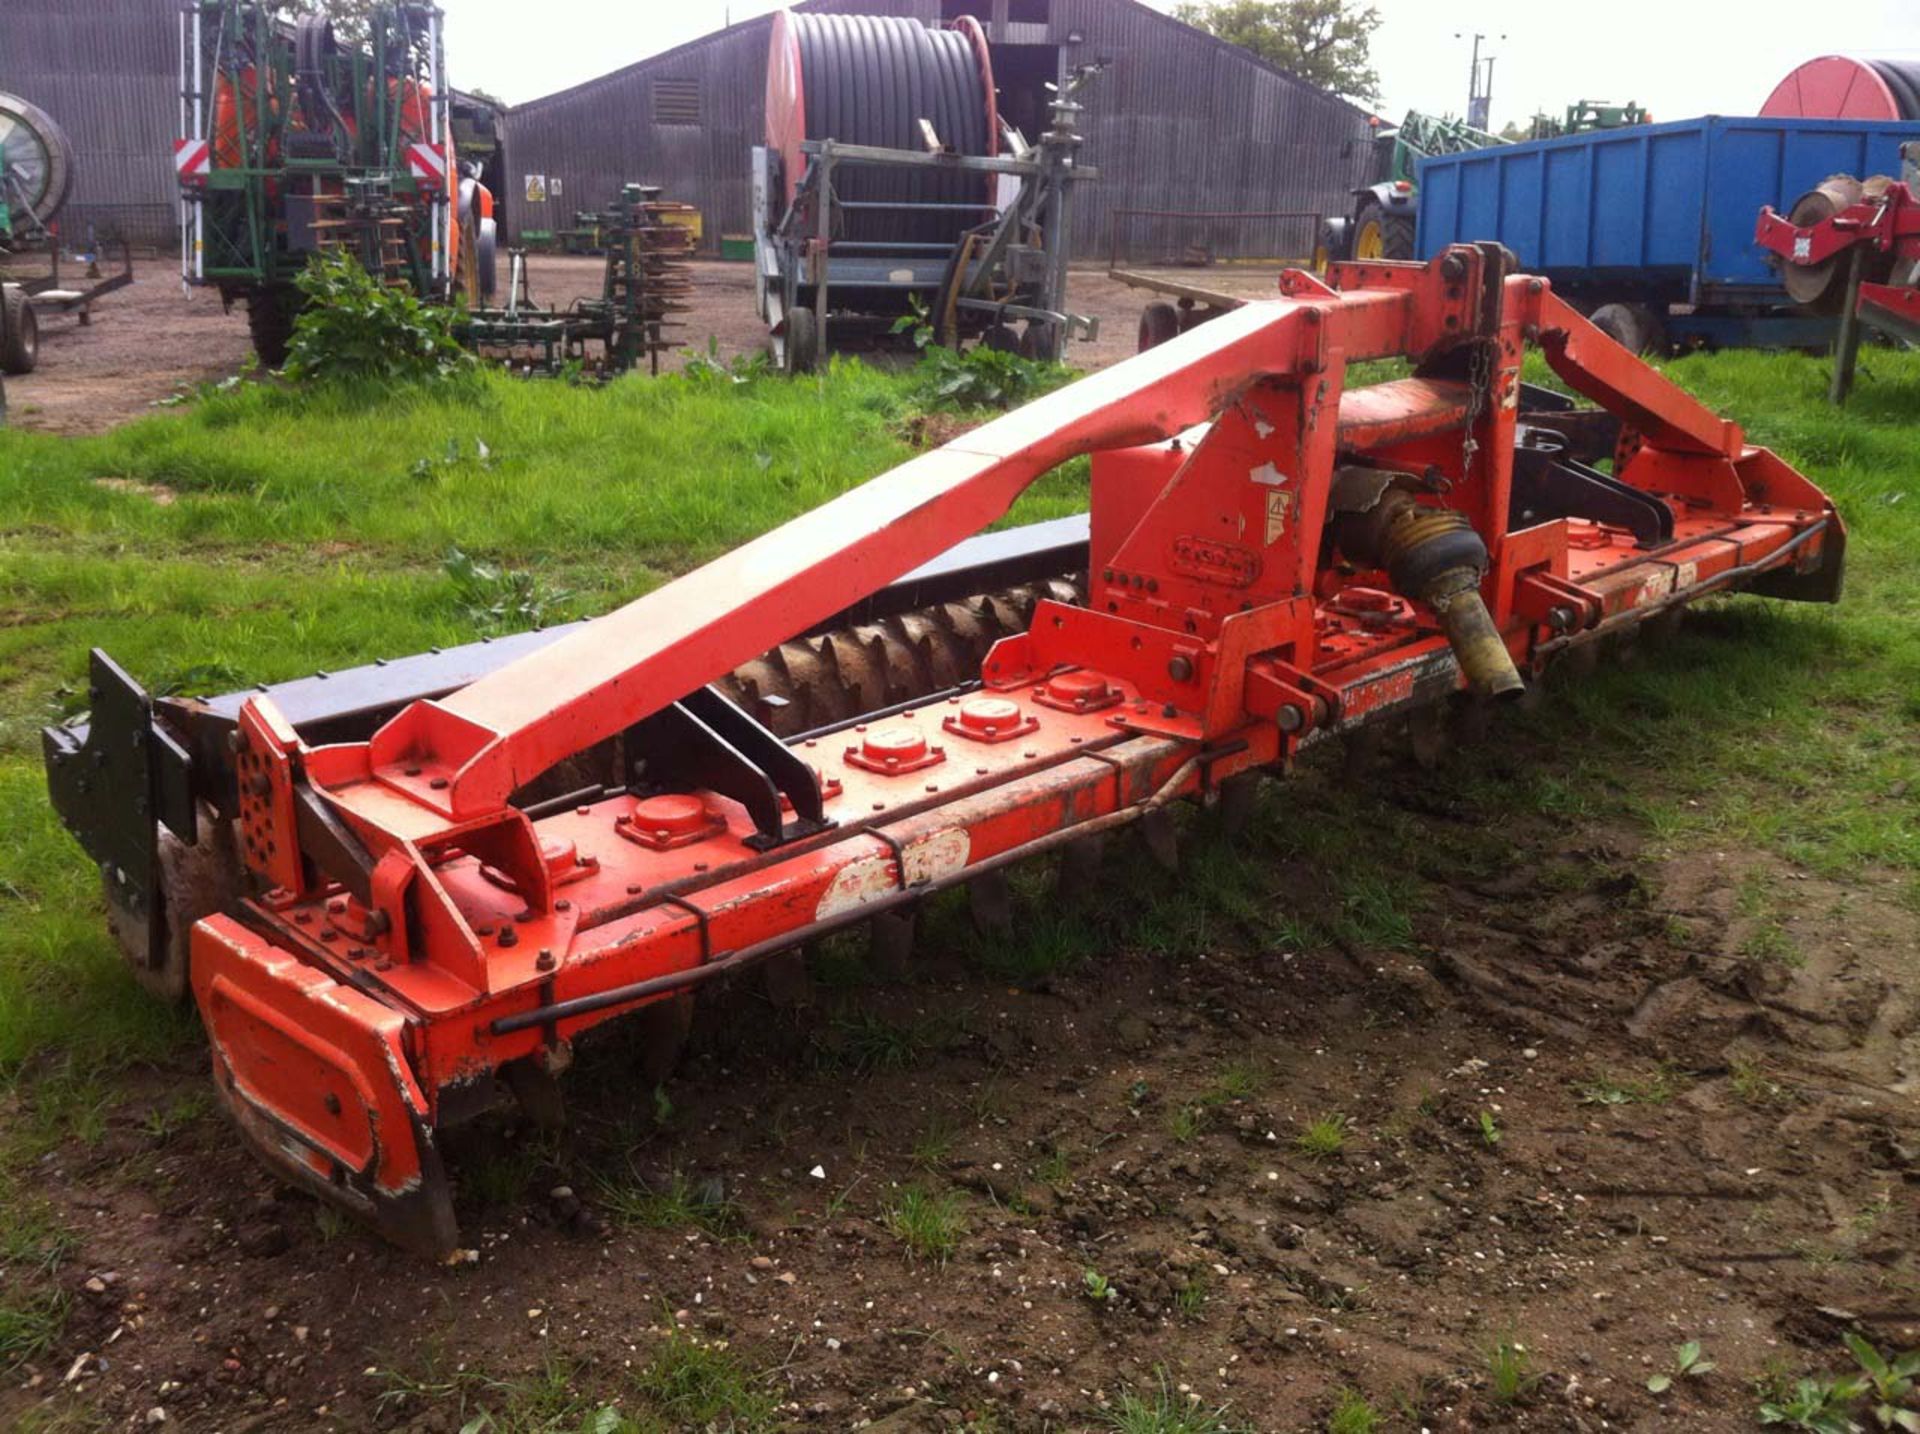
1479, 92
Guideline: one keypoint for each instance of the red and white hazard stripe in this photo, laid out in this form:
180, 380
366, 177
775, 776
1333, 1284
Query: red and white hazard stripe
192, 160
427, 163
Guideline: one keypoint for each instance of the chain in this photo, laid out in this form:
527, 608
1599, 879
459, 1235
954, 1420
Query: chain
1479, 374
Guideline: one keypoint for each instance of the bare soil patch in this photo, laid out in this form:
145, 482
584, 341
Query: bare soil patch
154, 340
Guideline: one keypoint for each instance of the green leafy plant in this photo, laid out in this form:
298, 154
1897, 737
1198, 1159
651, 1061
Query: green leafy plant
501, 599
1892, 1381
917, 321
710, 368
1689, 1362
1822, 1406
1097, 1287
354, 329
982, 378
1489, 1128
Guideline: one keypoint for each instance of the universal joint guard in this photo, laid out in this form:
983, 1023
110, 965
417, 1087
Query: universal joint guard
1274, 558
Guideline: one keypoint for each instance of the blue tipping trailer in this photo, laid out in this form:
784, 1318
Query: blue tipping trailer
1652, 226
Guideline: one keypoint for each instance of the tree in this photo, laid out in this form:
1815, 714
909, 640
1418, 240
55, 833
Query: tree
1325, 42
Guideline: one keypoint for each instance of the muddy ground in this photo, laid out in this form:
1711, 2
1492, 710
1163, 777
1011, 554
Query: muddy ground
1584, 1105
156, 339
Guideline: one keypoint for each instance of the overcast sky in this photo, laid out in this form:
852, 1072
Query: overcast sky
1677, 57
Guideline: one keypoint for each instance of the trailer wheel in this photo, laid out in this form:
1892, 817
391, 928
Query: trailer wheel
803, 341
1380, 235
1034, 343
1635, 327
1158, 322
270, 316
20, 334
1002, 338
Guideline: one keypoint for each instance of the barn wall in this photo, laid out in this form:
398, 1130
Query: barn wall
108, 73
599, 135
1179, 121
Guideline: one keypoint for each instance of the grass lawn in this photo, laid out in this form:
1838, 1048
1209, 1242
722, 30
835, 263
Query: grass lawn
262, 534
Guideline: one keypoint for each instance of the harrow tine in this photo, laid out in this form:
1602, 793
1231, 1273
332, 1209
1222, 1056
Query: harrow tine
1663, 628
537, 1092
663, 1028
788, 983
1472, 719
1427, 734
1162, 837
1238, 798
891, 939
1360, 753
1077, 876
990, 900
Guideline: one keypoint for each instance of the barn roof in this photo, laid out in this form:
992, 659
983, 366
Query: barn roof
1187, 32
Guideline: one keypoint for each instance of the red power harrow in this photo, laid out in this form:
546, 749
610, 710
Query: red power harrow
1275, 557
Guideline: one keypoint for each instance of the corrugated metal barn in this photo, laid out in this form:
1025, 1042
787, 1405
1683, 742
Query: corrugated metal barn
1179, 121
108, 72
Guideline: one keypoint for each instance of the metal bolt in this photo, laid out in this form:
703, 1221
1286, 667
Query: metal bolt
439, 784
1291, 718
544, 961
509, 937
332, 1103
1180, 669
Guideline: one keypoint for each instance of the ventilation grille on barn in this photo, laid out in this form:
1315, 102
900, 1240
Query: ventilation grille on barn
676, 102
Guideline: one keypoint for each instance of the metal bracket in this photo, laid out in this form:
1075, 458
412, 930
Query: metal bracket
704, 741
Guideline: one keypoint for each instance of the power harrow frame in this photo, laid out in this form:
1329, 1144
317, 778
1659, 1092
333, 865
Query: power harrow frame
1875, 243
1273, 557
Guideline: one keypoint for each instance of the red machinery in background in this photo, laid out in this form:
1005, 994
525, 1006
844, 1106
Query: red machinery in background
1854, 246
1275, 558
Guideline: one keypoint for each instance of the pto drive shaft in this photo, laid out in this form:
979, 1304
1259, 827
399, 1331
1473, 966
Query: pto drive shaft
1433, 555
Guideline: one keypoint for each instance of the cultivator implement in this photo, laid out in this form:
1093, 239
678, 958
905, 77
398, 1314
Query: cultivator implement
647, 250
416, 897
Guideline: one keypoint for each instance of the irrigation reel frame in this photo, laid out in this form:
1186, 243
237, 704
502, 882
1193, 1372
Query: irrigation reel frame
813, 282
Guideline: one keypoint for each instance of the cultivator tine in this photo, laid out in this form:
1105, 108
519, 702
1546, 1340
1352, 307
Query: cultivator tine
1238, 798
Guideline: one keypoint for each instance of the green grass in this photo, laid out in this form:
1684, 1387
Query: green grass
1352, 1414
1165, 1410
929, 1224
1613, 1088
305, 532
1323, 1137
675, 1203
1510, 1377
688, 1383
